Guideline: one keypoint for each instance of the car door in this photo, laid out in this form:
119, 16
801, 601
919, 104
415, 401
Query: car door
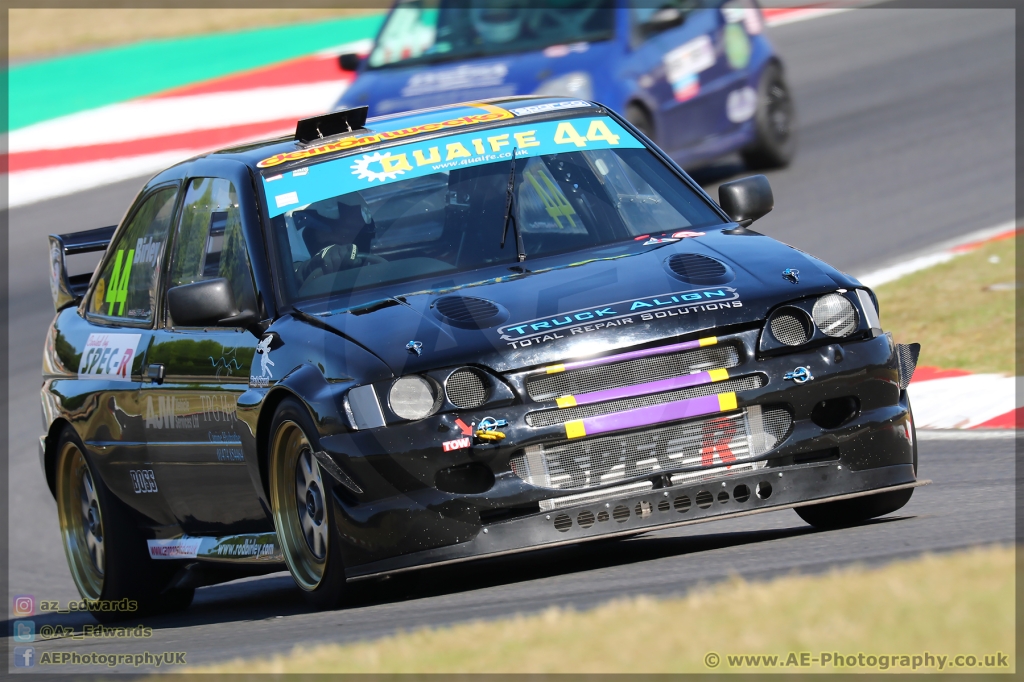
191, 424
113, 338
693, 57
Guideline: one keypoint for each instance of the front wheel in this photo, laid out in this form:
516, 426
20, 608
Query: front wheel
774, 122
304, 507
106, 552
845, 513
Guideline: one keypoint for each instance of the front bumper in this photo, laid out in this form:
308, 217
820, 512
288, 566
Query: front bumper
399, 515
766, 490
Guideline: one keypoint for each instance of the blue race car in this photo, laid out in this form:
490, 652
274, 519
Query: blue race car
698, 77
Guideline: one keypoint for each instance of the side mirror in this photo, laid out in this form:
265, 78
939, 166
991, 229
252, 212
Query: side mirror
747, 199
206, 303
349, 62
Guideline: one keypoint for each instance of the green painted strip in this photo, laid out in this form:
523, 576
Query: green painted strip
56, 87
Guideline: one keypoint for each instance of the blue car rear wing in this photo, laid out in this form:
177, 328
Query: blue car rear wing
69, 289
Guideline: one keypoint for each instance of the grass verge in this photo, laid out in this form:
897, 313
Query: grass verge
955, 312
41, 32
946, 605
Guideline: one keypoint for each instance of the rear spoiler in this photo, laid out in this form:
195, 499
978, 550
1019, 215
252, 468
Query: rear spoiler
68, 290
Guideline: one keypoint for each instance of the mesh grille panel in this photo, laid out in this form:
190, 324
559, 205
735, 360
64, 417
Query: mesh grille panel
549, 417
631, 372
790, 329
695, 445
835, 315
465, 389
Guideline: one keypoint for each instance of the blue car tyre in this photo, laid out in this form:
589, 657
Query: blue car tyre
304, 507
105, 549
775, 122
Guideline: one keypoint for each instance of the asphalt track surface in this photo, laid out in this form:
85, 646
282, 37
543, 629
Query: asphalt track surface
906, 125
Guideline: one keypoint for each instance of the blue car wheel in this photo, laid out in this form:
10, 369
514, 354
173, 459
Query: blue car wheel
775, 123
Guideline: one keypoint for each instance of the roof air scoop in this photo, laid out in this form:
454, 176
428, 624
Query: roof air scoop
334, 123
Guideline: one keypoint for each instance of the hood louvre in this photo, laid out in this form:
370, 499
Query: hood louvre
469, 312
697, 269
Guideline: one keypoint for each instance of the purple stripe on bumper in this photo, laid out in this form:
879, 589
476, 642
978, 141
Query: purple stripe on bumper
655, 414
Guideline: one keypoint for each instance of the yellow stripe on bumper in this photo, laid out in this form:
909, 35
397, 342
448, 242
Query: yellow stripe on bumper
555, 369
566, 401
718, 374
726, 401
708, 341
575, 429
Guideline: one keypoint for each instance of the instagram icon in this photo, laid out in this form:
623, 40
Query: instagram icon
24, 605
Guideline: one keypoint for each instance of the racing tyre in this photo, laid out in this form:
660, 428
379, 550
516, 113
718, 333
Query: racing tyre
304, 508
851, 512
774, 123
639, 117
106, 551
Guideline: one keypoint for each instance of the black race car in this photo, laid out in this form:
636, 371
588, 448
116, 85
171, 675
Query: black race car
449, 334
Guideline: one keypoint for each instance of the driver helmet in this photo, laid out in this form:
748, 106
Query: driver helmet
497, 22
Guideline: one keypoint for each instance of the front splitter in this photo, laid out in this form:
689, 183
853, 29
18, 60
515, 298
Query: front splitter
764, 490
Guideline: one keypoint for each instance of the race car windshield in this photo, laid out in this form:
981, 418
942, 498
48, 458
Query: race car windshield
431, 31
437, 207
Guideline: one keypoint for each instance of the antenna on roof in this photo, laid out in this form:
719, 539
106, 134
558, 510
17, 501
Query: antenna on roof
334, 123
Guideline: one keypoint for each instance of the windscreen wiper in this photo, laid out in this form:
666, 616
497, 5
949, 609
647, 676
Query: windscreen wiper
509, 213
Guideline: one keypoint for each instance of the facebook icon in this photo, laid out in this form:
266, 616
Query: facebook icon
24, 656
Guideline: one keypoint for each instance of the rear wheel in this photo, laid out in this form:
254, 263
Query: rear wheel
304, 507
105, 550
774, 122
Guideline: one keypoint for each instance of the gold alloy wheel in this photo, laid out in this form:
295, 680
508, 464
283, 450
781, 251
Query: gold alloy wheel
300, 507
81, 523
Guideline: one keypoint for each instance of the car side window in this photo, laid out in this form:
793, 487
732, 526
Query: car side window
651, 19
209, 243
126, 288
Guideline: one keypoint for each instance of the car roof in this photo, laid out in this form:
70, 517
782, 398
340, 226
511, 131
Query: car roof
408, 126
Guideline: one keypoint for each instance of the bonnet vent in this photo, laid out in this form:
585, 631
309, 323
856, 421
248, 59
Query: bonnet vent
469, 312
697, 269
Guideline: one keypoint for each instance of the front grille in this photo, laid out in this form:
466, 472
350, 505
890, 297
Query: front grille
465, 389
630, 372
692, 445
549, 417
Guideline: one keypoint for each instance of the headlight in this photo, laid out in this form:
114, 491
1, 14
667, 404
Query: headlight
835, 315
575, 84
413, 397
791, 326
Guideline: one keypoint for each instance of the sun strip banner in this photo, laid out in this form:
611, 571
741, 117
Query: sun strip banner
491, 113
309, 184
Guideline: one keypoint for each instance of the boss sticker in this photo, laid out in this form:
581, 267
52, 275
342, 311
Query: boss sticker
143, 481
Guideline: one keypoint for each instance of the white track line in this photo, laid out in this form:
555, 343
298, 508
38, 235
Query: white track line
144, 118
926, 258
984, 434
